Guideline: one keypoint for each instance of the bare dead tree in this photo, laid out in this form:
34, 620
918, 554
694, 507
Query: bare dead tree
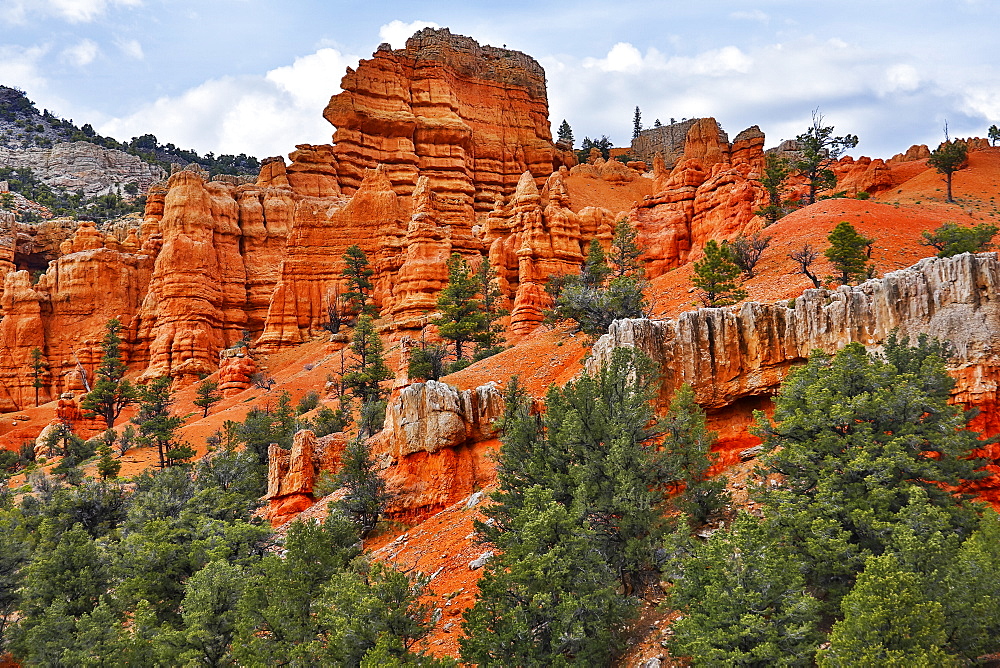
334, 310
262, 380
805, 256
746, 251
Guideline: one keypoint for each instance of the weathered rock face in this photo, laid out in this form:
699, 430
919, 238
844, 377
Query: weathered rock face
292, 474
537, 235
471, 118
434, 438
80, 165
729, 355
711, 193
64, 316
236, 369
214, 272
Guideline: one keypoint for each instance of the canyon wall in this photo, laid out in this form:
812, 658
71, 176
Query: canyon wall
471, 118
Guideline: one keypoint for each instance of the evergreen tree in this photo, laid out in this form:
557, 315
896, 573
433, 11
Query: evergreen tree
14, 554
888, 621
853, 437
951, 239
156, 425
427, 361
687, 447
636, 123
366, 495
994, 134
489, 339
849, 252
208, 395
358, 273
111, 393
548, 599
595, 270
461, 313
819, 149
947, 159
107, 467
716, 275
565, 134
744, 601
367, 369
776, 172
37, 367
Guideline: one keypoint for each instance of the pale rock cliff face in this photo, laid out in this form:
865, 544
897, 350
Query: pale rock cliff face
732, 354
434, 445
80, 165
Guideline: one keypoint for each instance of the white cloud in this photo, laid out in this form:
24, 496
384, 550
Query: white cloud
131, 48
259, 115
752, 15
74, 11
396, 32
81, 54
20, 67
623, 57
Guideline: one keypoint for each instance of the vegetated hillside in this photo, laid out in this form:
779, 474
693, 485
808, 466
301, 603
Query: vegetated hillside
240, 284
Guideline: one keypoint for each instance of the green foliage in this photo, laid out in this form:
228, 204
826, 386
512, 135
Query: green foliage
819, 149
888, 621
776, 172
854, 436
849, 252
948, 158
329, 421
157, 426
610, 286
207, 395
461, 312
358, 273
111, 392
489, 336
427, 361
263, 426
565, 134
687, 456
636, 123
994, 134
37, 367
367, 368
717, 275
365, 491
744, 602
107, 467
549, 599
307, 402
603, 144
14, 553
951, 239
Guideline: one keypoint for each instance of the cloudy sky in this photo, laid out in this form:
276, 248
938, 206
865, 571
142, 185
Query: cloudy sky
253, 76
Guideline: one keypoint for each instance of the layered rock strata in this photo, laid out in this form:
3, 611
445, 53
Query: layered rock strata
80, 165
471, 118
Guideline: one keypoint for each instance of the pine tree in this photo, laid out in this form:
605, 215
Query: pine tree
776, 172
111, 393
358, 273
37, 367
489, 339
461, 313
849, 252
951, 239
208, 395
948, 158
716, 275
367, 369
818, 150
888, 621
994, 134
636, 123
565, 134
366, 494
156, 425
